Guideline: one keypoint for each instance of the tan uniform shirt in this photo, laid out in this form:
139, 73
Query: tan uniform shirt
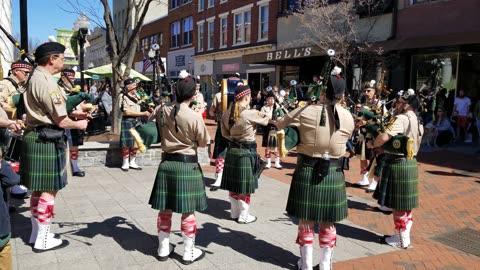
191, 130
407, 123
267, 111
129, 104
217, 104
3, 114
245, 128
315, 140
44, 100
7, 89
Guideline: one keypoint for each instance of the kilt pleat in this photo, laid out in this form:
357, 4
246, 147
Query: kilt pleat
238, 173
126, 140
398, 188
179, 186
43, 166
322, 202
220, 142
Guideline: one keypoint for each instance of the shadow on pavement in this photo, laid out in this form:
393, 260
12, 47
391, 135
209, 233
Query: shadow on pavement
126, 234
21, 225
219, 209
443, 173
357, 233
246, 244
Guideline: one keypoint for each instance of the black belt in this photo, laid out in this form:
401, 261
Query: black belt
40, 128
179, 158
308, 160
129, 118
243, 145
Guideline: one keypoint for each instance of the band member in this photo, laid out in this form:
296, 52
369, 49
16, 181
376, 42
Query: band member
269, 135
399, 182
220, 142
130, 106
239, 125
10, 85
366, 154
314, 90
317, 193
179, 182
198, 104
43, 156
75, 136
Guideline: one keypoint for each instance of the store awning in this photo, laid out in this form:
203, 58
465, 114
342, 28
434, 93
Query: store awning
281, 55
445, 40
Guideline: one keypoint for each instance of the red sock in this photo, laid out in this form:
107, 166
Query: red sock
189, 225
219, 164
125, 152
305, 236
327, 236
133, 152
164, 221
401, 219
45, 211
74, 154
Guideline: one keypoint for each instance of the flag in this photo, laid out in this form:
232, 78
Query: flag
146, 63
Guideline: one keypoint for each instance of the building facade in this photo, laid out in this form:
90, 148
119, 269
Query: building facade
226, 30
96, 54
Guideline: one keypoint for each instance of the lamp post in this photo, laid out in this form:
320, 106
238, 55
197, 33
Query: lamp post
83, 23
153, 55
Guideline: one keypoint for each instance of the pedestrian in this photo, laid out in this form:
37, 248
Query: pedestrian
399, 181
269, 135
179, 184
317, 193
43, 154
476, 115
462, 104
239, 125
130, 107
75, 136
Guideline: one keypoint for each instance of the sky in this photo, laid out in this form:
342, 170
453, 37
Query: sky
44, 16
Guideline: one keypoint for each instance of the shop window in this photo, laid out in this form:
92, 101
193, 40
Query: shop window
423, 65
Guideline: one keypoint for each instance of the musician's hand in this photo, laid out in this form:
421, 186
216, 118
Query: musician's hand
378, 150
14, 126
349, 154
82, 124
79, 114
146, 113
270, 121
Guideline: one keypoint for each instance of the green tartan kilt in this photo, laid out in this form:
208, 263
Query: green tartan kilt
75, 137
179, 186
322, 202
126, 140
43, 165
220, 142
238, 173
398, 187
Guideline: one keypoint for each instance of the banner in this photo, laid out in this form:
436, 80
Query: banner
69, 39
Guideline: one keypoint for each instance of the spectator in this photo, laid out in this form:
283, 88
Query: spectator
462, 105
93, 90
446, 133
157, 98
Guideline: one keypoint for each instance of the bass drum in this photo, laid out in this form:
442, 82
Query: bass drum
97, 125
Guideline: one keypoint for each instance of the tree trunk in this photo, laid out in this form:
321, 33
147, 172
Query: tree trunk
116, 90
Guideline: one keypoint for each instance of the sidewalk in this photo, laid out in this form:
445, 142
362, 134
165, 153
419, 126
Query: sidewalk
107, 219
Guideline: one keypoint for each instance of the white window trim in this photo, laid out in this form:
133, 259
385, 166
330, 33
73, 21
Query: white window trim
262, 2
208, 4
208, 36
242, 9
223, 1
221, 33
210, 19
200, 22
200, 10
198, 37
260, 21
223, 15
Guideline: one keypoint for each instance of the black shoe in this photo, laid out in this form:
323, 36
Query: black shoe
214, 188
79, 174
19, 196
125, 170
164, 258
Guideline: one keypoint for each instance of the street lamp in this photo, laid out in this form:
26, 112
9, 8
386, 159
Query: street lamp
153, 55
83, 23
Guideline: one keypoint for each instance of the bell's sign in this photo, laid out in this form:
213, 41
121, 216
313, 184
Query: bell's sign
290, 53
282, 55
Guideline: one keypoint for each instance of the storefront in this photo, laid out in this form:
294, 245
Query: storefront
180, 60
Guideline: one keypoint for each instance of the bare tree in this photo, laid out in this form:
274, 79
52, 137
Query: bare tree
336, 25
123, 44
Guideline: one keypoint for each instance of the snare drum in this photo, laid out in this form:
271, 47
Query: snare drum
14, 147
